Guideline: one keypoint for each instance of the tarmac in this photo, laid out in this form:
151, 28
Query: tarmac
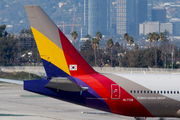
18, 104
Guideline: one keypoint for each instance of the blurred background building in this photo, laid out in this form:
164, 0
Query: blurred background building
159, 14
129, 14
97, 16
149, 27
176, 26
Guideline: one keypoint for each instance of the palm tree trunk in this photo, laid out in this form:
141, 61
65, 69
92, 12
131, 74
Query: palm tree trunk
74, 43
95, 56
111, 57
156, 56
125, 44
98, 54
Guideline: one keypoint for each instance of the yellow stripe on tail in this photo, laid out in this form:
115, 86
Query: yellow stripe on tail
50, 51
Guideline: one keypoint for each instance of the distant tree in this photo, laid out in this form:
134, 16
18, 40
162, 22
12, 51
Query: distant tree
117, 47
165, 45
131, 40
74, 35
95, 44
2, 30
156, 38
166, 40
28, 31
89, 56
162, 36
117, 44
126, 38
88, 36
121, 46
86, 45
8, 50
136, 47
86, 52
141, 58
22, 31
110, 44
98, 36
150, 38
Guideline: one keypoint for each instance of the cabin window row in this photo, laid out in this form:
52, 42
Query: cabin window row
151, 92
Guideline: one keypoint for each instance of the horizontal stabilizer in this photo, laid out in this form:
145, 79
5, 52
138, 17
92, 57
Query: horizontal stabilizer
64, 84
12, 81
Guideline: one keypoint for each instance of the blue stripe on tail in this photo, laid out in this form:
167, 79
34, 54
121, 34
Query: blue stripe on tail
52, 70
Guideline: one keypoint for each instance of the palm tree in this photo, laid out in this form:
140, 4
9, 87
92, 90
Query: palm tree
110, 44
126, 38
165, 36
74, 35
117, 46
135, 47
156, 38
150, 38
95, 44
98, 36
162, 36
88, 36
131, 40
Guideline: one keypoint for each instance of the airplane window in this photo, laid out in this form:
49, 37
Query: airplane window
131, 91
174, 92
167, 92
164, 92
171, 92
154, 91
177, 92
138, 91
161, 92
134, 91
141, 91
144, 91
157, 91
147, 91
151, 92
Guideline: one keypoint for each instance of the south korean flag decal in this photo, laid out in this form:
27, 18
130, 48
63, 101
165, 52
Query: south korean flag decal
72, 67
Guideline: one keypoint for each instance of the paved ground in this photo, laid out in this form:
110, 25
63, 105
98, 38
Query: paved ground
17, 104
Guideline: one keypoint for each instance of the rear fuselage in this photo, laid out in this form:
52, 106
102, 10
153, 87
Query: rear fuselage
141, 95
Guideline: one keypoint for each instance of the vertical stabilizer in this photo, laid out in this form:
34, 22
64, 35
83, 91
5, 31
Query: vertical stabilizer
59, 56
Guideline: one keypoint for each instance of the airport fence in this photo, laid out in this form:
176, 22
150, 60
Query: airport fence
39, 70
135, 70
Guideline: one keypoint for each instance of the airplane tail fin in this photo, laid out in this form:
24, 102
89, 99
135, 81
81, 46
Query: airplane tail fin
58, 55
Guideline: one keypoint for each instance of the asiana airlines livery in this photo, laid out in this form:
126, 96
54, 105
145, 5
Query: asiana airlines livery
70, 78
